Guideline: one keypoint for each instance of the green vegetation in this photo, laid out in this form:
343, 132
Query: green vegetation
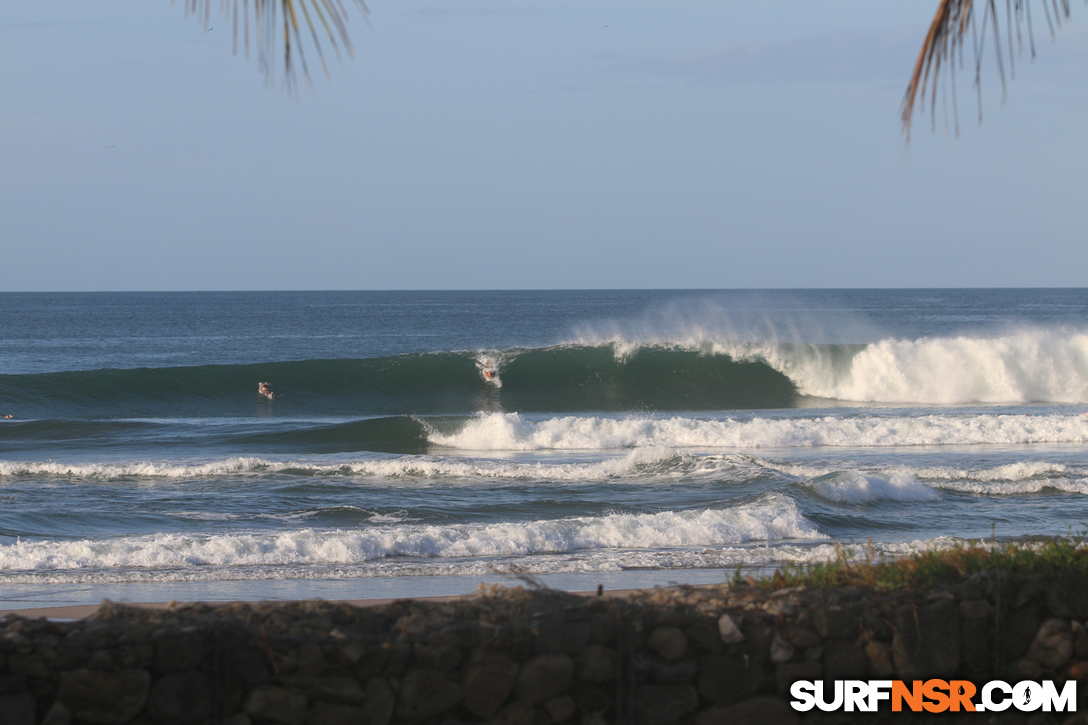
933, 567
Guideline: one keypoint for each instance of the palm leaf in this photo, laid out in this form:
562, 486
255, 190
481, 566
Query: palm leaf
278, 31
948, 33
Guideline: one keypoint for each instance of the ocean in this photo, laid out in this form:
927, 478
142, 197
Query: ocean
627, 438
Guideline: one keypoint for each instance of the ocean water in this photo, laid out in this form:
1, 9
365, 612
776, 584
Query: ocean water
629, 438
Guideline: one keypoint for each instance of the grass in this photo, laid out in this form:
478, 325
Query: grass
931, 568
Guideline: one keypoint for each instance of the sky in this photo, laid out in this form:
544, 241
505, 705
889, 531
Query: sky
533, 144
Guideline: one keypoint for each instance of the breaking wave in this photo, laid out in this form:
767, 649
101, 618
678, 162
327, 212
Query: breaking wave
772, 517
590, 375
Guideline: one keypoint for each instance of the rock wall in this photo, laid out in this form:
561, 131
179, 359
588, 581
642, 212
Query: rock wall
704, 655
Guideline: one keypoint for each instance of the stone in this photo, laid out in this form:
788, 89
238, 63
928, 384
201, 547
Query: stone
668, 642
876, 626
835, 623
28, 665
549, 634
17, 709
1080, 644
278, 704
1016, 632
372, 663
576, 636
57, 715
729, 630
560, 708
878, 656
665, 704
518, 712
677, 671
1053, 644
974, 609
329, 687
759, 635
514, 640
781, 650
844, 660
380, 702
327, 713
756, 711
726, 679
310, 658
596, 664
181, 697
349, 653
975, 646
444, 658
413, 625
247, 661
545, 676
1023, 669
487, 682
927, 640
424, 693
1067, 596
178, 651
790, 672
1077, 670
104, 698
802, 637
703, 636
589, 697
602, 629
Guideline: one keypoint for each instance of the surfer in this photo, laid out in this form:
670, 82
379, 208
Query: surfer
489, 370
265, 389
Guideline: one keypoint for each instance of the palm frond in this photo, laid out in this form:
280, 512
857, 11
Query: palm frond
278, 31
953, 22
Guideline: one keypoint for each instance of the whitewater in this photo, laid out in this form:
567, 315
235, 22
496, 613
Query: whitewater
620, 438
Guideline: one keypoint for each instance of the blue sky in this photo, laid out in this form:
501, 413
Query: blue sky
524, 144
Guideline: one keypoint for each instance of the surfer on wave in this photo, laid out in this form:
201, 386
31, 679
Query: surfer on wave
265, 389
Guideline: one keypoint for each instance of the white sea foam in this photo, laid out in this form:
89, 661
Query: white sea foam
642, 460
1031, 365
1019, 471
1017, 488
510, 431
905, 483
773, 517
726, 557
857, 487
143, 469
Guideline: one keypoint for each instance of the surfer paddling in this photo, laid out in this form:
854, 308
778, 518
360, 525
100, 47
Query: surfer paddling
265, 390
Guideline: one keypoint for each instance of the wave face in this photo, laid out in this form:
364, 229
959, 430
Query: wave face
608, 376
564, 378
